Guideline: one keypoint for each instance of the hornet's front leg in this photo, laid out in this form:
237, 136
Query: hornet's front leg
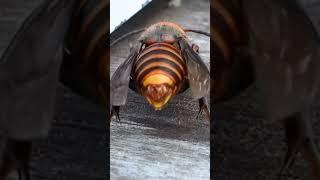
16, 156
195, 48
115, 110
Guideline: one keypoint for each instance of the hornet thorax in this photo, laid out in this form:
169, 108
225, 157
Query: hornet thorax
165, 32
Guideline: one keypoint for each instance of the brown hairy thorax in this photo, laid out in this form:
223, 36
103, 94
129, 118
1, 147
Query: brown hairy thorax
167, 32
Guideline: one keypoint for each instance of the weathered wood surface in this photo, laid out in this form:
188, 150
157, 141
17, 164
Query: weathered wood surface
166, 144
76, 147
247, 146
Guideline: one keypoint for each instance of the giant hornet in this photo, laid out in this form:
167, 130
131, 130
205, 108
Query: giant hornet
65, 38
274, 43
162, 65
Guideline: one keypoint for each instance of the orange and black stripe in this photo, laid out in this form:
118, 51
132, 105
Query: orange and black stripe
87, 41
160, 58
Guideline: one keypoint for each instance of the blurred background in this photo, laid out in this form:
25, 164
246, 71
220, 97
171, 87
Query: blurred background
249, 147
78, 127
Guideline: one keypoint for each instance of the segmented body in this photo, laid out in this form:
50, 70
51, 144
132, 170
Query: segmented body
85, 69
160, 59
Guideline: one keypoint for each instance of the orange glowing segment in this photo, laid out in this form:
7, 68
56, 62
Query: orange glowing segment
157, 79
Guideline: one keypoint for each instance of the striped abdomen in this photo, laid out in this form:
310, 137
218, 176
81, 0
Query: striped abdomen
85, 70
159, 73
160, 60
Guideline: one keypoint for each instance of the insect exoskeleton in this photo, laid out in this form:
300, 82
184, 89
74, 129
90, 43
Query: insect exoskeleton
159, 73
162, 65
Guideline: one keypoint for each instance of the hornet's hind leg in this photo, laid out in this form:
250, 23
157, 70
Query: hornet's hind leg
300, 139
203, 106
115, 111
16, 156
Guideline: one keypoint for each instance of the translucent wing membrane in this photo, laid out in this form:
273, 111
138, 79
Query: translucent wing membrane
120, 80
198, 73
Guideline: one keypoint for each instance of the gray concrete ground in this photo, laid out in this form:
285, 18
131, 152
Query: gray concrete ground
166, 144
76, 147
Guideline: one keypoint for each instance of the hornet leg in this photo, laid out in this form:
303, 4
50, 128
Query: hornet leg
16, 156
299, 139
115, 111
203, 106
195, 48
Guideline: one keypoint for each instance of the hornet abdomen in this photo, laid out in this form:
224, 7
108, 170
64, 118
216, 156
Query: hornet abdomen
159, 73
